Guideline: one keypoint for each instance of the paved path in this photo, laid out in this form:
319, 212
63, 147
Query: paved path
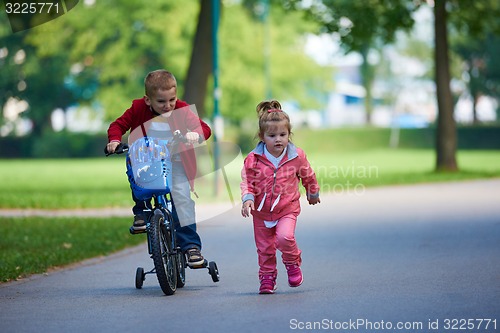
414, 255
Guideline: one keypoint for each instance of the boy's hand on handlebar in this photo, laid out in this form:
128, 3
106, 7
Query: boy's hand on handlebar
111, 147
247, 207
192, 137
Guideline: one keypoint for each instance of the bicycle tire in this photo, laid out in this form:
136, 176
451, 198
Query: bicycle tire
181, 269
163, 254
139, 277
213, 271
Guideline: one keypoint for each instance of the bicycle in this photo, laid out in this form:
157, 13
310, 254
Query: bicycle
169, 261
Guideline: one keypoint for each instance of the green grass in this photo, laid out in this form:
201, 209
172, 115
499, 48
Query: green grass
343, 171
63, 183
33, 245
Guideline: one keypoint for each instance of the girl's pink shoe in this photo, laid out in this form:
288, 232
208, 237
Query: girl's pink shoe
267, 285
295, 277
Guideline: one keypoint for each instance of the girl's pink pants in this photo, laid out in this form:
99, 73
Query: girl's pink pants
281, 237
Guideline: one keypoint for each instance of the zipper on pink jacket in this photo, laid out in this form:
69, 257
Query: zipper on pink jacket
274, 176
272, 192
274, 183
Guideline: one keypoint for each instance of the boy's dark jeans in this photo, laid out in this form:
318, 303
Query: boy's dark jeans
187, 237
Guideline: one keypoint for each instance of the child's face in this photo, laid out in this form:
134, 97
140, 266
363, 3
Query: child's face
163, 101
276, 137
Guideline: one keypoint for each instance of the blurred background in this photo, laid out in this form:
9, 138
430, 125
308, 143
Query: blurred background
332, 63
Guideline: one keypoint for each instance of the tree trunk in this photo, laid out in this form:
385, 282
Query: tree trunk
200, 65
475, 99
446, 139
474, 90
367, 76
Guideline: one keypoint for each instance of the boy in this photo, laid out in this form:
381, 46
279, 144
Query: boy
161, 100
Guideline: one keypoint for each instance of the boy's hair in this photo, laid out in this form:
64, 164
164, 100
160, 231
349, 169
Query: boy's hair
268, 112
159, 80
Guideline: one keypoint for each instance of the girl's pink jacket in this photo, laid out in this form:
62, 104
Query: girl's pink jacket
275, 191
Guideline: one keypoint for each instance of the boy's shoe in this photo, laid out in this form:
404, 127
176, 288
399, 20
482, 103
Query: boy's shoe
267, 285
139, 225
194, 257
295, 277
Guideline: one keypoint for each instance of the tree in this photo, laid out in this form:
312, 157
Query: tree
474, 19
200, 65
446, 140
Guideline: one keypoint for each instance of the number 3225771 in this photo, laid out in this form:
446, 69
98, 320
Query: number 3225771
32, 8
470, 324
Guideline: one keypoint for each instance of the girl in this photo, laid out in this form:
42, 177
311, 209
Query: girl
270, 192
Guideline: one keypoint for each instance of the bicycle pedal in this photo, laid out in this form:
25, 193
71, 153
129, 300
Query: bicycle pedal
202, 265
135, 232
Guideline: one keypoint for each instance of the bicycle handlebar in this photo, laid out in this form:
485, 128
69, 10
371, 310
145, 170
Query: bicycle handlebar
120, 149
181, 138
123, 147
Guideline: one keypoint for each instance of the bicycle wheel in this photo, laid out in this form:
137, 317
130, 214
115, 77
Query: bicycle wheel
139, 277
213, 271
163, 253
181, 269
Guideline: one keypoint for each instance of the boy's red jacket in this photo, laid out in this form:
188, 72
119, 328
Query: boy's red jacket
182, 119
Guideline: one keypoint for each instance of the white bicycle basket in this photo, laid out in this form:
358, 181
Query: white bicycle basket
151, 163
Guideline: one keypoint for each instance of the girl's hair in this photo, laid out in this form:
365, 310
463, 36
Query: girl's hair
269, 112
159, 80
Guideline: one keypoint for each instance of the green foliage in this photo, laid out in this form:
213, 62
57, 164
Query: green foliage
53, 144
31, 76
101, 53
477, 43
31, 245
293, 75
68, 144
479, 59
474, 18
246, 141
118, 42
361, 22
362, 26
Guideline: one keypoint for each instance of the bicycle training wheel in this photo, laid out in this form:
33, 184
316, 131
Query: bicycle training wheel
163, 254
213, 271
139, 277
